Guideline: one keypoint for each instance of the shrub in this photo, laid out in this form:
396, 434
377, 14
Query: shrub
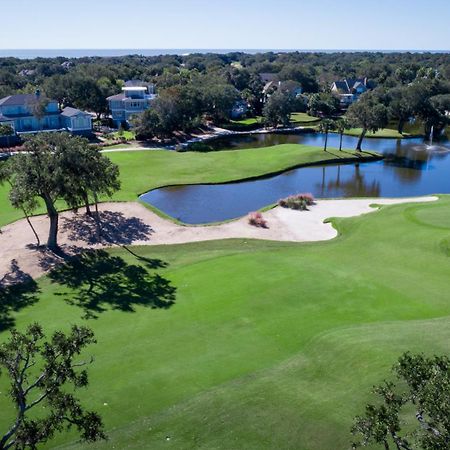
256, 219
298, 201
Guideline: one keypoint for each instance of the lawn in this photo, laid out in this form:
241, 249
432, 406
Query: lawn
268, 345
125, 134
383, 133
299, 118
142, 171
409, 130
247, 124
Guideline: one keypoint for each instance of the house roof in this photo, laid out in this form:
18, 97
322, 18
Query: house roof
116, 97
4, 118
21, 99
72, 112
266, 77
347, 85
18, 99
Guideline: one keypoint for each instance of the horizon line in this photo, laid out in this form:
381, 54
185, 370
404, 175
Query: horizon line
228, 48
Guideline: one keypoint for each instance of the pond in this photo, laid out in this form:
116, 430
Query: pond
410, 168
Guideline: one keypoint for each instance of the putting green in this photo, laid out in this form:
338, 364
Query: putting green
268, 344
439, 217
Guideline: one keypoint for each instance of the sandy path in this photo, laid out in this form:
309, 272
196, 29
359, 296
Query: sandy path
131, 223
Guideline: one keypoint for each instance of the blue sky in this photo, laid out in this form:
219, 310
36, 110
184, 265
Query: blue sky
260, 24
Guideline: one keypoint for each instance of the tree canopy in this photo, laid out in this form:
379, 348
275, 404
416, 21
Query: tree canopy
47, 373
58, 166
413, 412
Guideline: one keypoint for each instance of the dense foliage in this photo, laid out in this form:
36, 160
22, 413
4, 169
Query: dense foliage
58, 166
198, 88
43, 375
413, 413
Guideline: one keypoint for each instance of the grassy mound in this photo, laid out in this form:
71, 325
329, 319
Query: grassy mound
267, 344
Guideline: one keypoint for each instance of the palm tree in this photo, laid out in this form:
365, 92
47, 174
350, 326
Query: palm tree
342, 125
325, 126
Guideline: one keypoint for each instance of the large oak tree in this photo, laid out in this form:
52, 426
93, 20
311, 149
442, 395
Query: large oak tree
58, 166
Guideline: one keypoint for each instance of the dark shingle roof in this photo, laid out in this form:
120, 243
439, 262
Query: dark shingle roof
18, 99
267, 76
71, 112
347, 85
116, 97
22, 99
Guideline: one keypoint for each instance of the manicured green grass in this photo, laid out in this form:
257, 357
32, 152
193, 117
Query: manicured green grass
247, 121
247, 124
383, 133
142, 171
126, 134
391, 131
299, 118
268, 345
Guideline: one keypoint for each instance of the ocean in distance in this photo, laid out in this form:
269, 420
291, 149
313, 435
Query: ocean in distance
80, 53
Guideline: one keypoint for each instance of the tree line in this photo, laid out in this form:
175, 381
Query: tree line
197, 87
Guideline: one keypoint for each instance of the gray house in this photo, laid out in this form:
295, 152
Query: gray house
76, 121
135, 98
30, 113
348, 90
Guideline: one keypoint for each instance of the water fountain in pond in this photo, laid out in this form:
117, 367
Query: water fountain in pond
435, 148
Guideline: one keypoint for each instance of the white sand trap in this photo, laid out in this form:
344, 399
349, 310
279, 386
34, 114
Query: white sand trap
132, 224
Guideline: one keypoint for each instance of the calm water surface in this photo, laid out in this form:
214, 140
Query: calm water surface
410, 168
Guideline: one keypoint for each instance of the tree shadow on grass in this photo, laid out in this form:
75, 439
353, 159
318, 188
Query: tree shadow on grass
17, 291
115, 228
98, 281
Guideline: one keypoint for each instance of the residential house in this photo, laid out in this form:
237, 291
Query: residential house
76, 121
239, 109
24, 113
135, 98
348, 90
266, 77
289, 86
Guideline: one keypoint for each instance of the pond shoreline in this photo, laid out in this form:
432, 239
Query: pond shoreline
218, 132
372, 156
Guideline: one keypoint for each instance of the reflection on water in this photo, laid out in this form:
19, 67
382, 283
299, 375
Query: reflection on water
410, 168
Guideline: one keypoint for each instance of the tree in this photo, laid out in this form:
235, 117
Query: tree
19, 199
95, 176
46, 373
148, 125
323, 104
6, 130
400, 107
218, 100
278, 109
325, 126
441, 104
418, 95
57, 87
58, 166
368, 114
415, 412
342, 125
39, 108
